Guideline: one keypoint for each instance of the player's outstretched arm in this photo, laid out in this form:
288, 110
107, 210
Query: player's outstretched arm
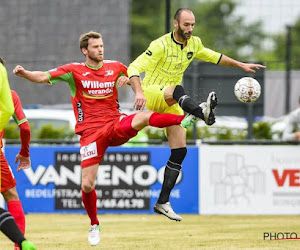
33, 76
248, 67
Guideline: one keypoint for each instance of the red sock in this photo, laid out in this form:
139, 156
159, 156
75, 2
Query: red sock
16, 210
164, 120
90, 204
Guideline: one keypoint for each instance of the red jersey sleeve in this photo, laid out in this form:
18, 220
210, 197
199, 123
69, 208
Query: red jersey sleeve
18, 115
61, 74
23, 124
123, 69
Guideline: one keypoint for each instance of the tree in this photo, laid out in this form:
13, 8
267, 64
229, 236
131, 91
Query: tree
222, 31
216, 25
147, 23
277, 55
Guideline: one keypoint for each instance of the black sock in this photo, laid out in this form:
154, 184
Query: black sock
172, 171
187, 103
9, 227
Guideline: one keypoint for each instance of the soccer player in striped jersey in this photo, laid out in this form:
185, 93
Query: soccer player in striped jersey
164, 63
100, 123
8, 223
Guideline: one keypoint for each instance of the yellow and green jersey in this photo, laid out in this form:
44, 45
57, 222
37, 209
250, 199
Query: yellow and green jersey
166, 59
6, 102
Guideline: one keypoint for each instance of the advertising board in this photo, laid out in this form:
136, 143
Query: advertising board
249, 179
129, 180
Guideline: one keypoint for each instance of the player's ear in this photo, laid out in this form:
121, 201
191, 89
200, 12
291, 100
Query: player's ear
175, 23
84, 51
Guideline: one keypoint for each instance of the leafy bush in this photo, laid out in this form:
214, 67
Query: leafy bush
156, 134
46, 132
11, 131
261, 130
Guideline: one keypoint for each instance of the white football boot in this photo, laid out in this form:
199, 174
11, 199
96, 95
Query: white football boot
166, 210
94, 235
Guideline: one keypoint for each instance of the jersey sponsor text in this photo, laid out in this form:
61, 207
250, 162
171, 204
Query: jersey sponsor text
97, 84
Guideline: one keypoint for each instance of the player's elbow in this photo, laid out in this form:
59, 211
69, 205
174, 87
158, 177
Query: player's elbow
133, 71
25, 128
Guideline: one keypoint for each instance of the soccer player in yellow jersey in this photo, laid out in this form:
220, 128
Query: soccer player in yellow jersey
7, 223
164, 63
6, 103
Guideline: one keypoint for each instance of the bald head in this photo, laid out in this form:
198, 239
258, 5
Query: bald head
179, 12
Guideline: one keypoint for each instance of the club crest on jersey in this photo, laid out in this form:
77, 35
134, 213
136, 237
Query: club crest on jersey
189, 55
109, 73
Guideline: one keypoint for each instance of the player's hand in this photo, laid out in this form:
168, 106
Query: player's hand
24, 162
252, 67
122, 80
19, 70
139, 101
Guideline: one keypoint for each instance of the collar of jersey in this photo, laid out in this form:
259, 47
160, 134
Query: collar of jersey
92, 67
175, 41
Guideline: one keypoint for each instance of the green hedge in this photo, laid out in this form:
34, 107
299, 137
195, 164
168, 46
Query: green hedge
46, 132
261, 130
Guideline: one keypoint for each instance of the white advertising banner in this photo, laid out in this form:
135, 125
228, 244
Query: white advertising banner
249, 179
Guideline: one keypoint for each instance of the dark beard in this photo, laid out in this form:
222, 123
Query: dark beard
181, 33
95, 59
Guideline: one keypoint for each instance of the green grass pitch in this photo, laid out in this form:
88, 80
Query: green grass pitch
62, 231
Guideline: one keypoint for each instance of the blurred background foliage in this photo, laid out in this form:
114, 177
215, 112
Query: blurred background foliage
47, 131
261, 131
218, 29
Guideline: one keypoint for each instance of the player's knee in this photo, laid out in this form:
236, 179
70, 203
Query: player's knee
87, 186
169, 95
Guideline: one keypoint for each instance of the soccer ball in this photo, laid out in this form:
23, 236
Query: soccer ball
247, 90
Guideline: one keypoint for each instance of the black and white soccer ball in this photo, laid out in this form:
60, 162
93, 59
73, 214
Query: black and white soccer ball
247, 90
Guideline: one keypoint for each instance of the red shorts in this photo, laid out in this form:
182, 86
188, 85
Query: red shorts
93, 142
8, 180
